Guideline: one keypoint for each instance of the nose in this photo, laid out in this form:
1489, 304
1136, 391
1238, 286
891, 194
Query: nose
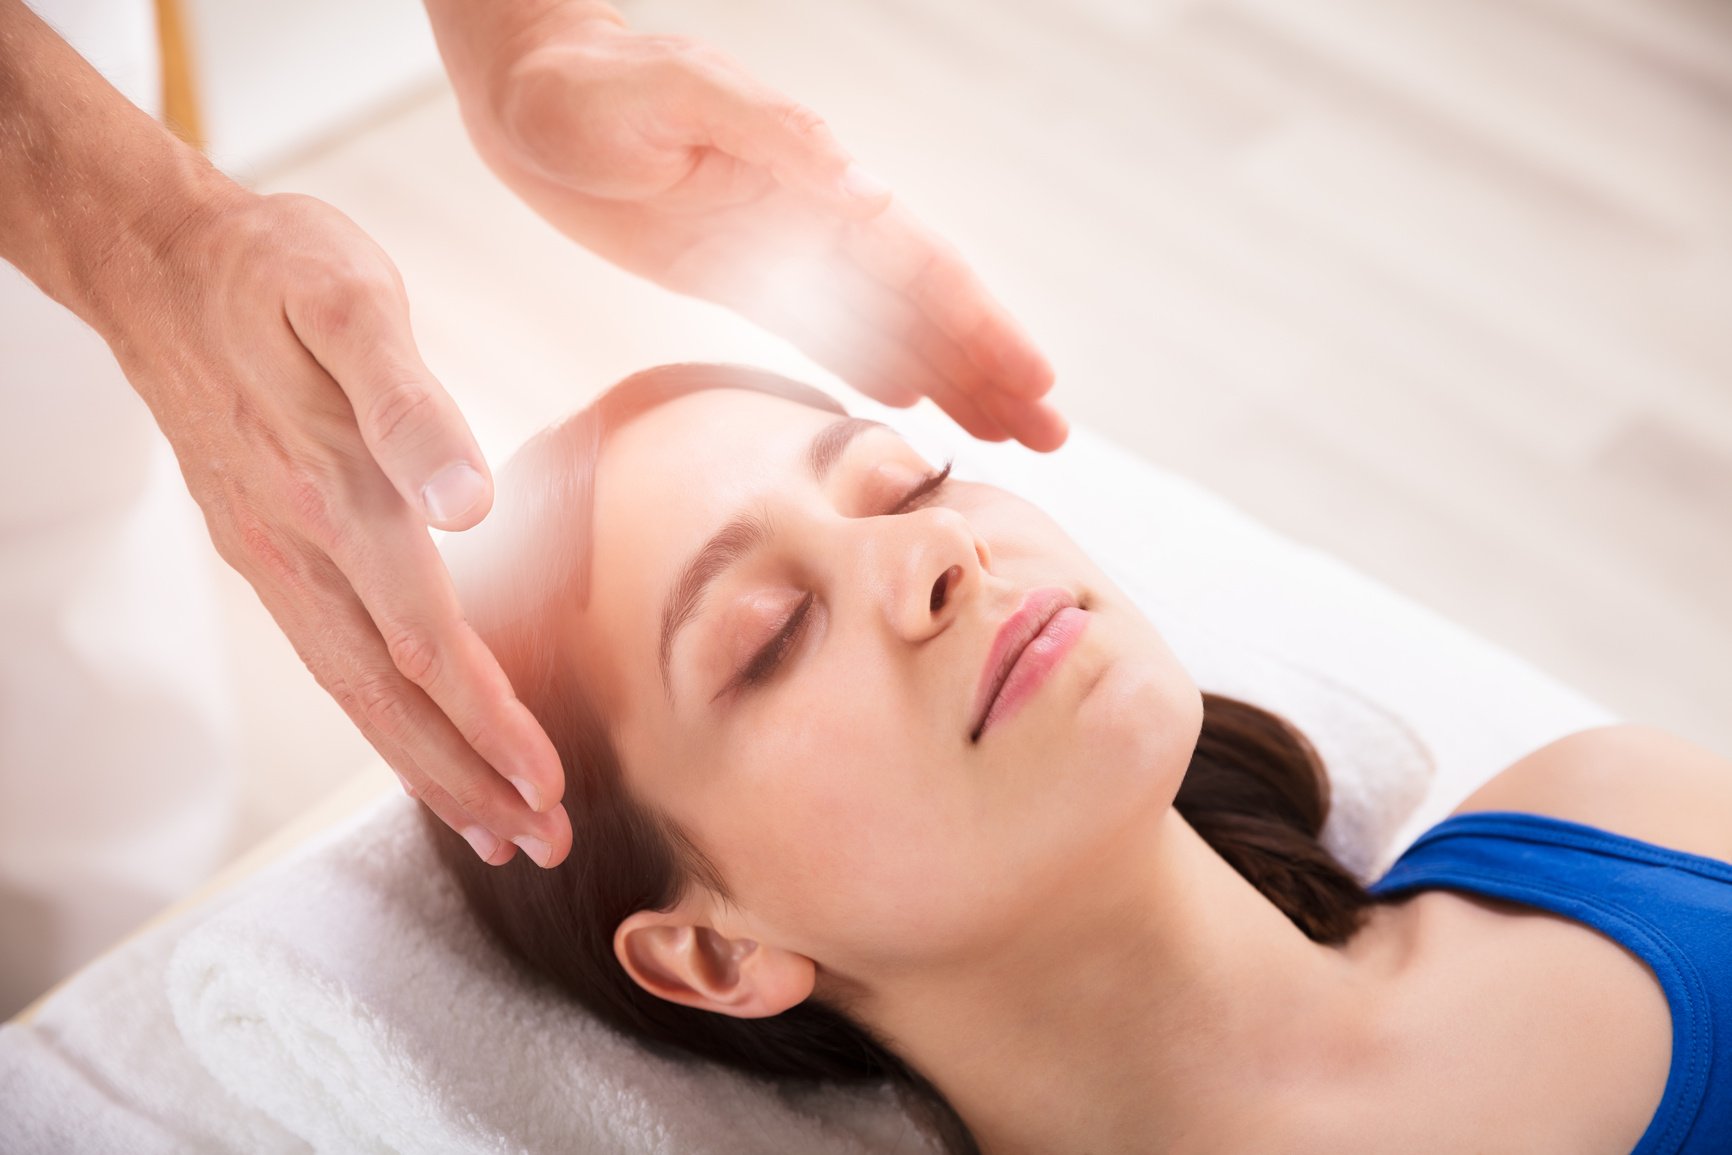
931, 563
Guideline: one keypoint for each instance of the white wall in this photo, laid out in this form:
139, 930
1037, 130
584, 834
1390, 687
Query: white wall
276, 79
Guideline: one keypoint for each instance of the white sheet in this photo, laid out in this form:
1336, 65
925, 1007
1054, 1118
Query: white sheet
341, 1002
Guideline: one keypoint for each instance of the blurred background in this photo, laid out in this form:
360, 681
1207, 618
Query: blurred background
1443, 287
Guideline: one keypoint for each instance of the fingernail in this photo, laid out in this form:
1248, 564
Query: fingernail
535, 848
857, 182
530, 794
453, 492
484, 842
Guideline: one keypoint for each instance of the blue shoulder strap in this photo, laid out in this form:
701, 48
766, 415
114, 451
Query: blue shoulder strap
1671, 909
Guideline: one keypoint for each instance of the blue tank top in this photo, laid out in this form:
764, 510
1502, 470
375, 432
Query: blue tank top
1671, 909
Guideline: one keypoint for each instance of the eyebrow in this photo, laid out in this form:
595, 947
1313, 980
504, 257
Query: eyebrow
736, 541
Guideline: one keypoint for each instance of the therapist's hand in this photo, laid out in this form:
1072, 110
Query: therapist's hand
270, 338
272, 344
664, 156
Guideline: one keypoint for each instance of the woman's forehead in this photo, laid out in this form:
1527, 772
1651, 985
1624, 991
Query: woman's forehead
721, 425
679, 470
665, 482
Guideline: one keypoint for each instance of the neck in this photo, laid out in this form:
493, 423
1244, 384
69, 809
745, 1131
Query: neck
1167, 1006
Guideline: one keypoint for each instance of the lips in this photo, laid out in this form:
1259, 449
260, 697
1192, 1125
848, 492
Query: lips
1022, 627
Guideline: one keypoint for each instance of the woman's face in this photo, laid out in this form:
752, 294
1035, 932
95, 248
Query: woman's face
831, 774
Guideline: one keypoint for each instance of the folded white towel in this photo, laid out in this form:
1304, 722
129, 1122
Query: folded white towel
353, 999
347, 1004
102, 1069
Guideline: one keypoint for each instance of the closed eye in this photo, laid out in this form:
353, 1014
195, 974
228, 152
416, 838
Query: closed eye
923, 493
768, 659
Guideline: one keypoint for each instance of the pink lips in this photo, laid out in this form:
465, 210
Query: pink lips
1028, 646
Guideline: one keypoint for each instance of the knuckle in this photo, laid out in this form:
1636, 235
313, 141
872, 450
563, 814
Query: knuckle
932, 279
706, 55
380, 701
477, 733
557, 116
362, 274
219, 520
344, 694
534, 108
675, 44
414, 653
471, 794
801, 121
307, 494
344, 291
331, 307
296, 208
260, 549
401, 412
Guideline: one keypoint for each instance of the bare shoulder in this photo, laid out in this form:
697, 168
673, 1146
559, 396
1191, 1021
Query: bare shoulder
1632, 780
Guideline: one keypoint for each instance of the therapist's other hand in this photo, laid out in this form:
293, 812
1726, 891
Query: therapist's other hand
664, 156
271, 341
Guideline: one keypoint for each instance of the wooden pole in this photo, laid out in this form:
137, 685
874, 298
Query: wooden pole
180, 108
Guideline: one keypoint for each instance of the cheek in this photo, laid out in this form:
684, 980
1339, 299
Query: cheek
1063, 803
1139, 731
1136, 730
842, 831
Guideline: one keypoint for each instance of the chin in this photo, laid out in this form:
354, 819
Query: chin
1138, 726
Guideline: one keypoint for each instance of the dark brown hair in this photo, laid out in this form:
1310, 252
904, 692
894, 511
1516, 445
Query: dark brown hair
1255, 789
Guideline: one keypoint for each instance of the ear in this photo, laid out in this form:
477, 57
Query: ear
674, 956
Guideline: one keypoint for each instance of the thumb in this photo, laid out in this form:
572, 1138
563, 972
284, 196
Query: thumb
762, 127
360, 336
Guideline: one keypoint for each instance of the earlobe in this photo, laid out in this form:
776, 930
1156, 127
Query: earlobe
673, 958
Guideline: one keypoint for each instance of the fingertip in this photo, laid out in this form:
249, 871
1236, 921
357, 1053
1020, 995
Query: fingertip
457, 497
562, 844
529, 792
540, 794
487, 845
860, 183
545, 771
862, 194
1035, 424
1054, 431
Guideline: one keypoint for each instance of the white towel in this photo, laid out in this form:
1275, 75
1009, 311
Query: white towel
102, 1069
343, 1002
353, 999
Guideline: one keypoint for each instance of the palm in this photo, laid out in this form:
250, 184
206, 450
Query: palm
881, 302
665, 157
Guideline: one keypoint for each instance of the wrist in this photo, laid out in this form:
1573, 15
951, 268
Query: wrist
92, 190
485, 47
138, 253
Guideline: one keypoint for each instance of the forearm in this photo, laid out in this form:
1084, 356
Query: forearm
91, 188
